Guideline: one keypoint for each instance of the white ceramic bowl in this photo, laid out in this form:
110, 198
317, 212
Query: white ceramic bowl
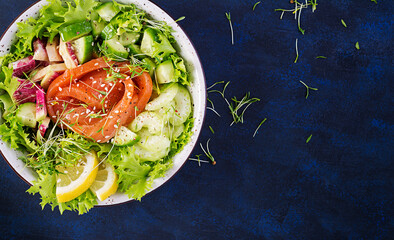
197, 90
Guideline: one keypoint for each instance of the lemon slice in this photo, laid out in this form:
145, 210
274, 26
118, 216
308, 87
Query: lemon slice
73, 181
106, 182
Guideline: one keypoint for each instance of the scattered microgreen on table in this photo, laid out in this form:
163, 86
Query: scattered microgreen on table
296, 48
180, 19
307, 89
228, 16
255, 5
308, 139
343, 23
257, 129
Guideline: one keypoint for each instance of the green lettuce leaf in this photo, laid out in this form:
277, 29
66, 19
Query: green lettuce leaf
46, 187
133, 175
7, 82
180, 70
79, 10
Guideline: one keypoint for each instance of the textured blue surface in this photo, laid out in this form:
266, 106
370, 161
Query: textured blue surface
273, 186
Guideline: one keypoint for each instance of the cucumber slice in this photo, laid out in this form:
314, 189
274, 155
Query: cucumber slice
128, 38
173, 132
125, 137
152, 147
97, 27
108, 32
156, 45
115, 49
150, 120
98, 24
83, 48
26, 114
165, 72
165, 97
183, 106
107, 11
75, 31
134, 49
7, 103
150, 66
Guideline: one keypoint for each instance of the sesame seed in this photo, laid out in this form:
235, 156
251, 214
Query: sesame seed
98, 140
115, 126
102, 85
94, 82
60, 89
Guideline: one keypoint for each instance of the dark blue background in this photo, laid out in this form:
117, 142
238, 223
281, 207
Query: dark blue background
273, 186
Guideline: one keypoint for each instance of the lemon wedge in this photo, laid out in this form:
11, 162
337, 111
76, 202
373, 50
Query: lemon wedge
106, 182
75, 180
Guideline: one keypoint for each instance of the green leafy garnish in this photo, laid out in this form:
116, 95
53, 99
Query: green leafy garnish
255, 5
197, 159
210, 128
307, 89
237, 105
343, 23
257, 129
357, 46
180, 19
228, 16
207, 153
296, 48
309, 138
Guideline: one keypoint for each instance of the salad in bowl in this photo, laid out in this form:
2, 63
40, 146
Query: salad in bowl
99, 105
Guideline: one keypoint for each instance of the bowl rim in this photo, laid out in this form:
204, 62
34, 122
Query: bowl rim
203, 81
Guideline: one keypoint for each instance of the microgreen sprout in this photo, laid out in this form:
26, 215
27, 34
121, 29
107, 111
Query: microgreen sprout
212, 108
197, 159
180, 19
237, 105
296, 48
257, 129
307, 89
207, 153
210, 128
308, 139
255, 5
297, 11
228, 16
357, 46
343, 23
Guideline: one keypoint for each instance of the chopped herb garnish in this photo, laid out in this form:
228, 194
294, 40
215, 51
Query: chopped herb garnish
228, 15
254, 6
210, 128
321, 57
307, 89
343, 23
257, 129
357, 46
375, 1
309, 138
